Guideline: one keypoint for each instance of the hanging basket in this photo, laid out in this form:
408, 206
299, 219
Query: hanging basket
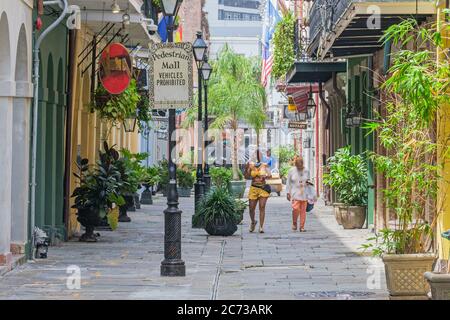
102, 99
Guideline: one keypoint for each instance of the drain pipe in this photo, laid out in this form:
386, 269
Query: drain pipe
63, 4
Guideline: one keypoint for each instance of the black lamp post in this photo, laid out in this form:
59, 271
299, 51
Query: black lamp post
172, 265
199, 47
206, 73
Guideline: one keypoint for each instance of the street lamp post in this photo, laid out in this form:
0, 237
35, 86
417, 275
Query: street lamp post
199, 47
172, 265
206, 72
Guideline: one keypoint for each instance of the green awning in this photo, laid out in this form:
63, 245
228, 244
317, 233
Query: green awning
313, 72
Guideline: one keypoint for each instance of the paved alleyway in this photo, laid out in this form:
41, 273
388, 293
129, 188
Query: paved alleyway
279, 264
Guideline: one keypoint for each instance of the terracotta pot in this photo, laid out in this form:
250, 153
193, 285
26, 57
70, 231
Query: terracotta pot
439, 284
337, 212
405, 275
352, 217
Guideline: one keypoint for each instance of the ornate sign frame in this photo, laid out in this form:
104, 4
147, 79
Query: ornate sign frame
175, 55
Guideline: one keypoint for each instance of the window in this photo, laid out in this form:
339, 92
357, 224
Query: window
238, 16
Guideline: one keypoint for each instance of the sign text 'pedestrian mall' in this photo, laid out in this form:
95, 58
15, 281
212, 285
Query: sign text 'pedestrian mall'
171, 84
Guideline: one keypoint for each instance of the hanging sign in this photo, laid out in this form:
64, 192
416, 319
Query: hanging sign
170, 69
297, 125
115, 68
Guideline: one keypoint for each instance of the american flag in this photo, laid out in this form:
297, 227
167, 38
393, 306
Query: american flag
271, 18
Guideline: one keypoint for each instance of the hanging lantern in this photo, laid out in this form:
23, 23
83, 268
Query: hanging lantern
129, 124
311, 105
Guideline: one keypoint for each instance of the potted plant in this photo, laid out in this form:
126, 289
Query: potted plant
236, 186
151, 178
97, 193
131, 174
410, 159
220, 176
347, 174
284, 169
116, 108
185, 182
217, 213
241, 205
163, 176
439, 282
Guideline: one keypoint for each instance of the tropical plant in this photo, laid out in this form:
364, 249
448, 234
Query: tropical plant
185, 179
151, 176
285, 154
284, 169
117, 107
235, 93
220, 176
163, 169
99, 187
412, 95
131, 169
283, 44
347, 175
217, 207
144, 114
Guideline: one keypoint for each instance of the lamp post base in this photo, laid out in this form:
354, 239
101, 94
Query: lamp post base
199, 190
173, 268
207, 179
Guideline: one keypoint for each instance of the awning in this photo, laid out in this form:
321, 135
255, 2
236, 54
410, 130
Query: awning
314, 72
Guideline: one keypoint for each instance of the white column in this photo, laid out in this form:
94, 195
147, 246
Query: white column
20, 173
5, 177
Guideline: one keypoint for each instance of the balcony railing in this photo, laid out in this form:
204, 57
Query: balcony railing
324, 14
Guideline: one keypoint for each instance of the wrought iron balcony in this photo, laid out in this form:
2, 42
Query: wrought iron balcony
342, 28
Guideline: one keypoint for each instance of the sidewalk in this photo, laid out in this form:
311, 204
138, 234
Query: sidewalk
322, 263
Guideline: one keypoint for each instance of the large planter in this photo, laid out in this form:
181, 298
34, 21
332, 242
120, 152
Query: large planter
237, 188
146, 196
128, 206
89, 219
439, 284
405, 275
224, 230
137, 201
352, 217
184, 192
337, 212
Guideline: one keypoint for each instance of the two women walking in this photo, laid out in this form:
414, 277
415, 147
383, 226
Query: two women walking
299, 191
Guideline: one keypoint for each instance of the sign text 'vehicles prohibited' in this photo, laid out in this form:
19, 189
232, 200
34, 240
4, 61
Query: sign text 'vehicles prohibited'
171, 84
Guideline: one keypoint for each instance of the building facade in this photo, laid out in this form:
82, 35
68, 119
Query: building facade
15, 98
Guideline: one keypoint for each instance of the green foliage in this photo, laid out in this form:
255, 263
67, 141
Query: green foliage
217, 207
283, 43
163, 169
284, 169
220, 176
417, 87
144, 113
416, 78
152, 176
98, 187
118, 107
132, 172
241, 205
347, 175
185, 179
285, 154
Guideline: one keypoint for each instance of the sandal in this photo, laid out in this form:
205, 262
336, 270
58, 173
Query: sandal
253, 226
294, 227
261, 230
302, 230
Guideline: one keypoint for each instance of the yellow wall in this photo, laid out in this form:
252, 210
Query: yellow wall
88, 130
443, 196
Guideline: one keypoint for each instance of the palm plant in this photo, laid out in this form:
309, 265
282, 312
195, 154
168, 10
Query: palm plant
235, 93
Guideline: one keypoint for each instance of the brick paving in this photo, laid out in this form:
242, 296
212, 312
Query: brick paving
322, 263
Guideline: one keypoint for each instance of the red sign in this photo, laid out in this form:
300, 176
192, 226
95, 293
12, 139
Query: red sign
115, 68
